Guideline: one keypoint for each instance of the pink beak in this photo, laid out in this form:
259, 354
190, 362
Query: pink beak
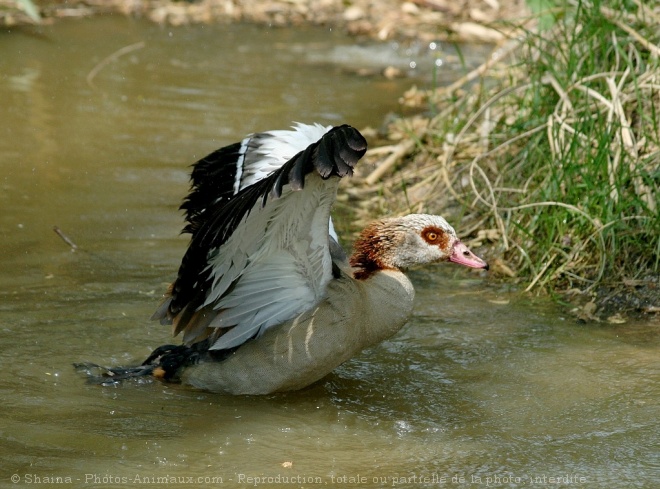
463, 256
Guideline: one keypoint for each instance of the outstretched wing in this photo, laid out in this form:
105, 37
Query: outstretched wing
262, 256
219, 176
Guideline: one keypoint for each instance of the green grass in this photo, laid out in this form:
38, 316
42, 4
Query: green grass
556, 157
595, 90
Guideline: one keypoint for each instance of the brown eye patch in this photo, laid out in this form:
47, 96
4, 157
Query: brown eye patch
435, 236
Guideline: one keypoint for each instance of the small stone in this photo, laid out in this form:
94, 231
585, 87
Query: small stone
391, 72
409, 8
353, 13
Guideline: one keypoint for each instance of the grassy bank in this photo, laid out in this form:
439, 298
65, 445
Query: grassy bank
553, 158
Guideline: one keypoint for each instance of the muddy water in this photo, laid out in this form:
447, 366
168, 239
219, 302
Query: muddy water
482, 387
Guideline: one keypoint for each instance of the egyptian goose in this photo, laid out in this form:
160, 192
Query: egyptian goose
265, 297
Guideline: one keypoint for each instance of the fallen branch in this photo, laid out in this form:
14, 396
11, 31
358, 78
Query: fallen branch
65, 238
400, 151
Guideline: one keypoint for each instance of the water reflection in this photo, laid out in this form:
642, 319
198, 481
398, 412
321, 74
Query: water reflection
480, 384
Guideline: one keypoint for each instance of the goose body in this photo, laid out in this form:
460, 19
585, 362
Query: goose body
265, 297
301, 351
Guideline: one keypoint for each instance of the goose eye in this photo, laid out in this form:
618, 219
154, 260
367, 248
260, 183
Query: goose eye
435, 237
431, 237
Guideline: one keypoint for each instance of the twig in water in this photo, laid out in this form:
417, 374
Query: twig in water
110, 59
65, 238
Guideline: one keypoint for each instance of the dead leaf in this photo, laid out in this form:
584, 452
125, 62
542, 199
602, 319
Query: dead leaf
616, 319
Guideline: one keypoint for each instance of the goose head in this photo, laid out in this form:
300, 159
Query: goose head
403, 242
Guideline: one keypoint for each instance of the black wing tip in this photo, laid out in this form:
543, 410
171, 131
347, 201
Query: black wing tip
350, 146
335, 154
354, 138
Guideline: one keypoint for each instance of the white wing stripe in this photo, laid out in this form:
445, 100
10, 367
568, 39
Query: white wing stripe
240, 163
